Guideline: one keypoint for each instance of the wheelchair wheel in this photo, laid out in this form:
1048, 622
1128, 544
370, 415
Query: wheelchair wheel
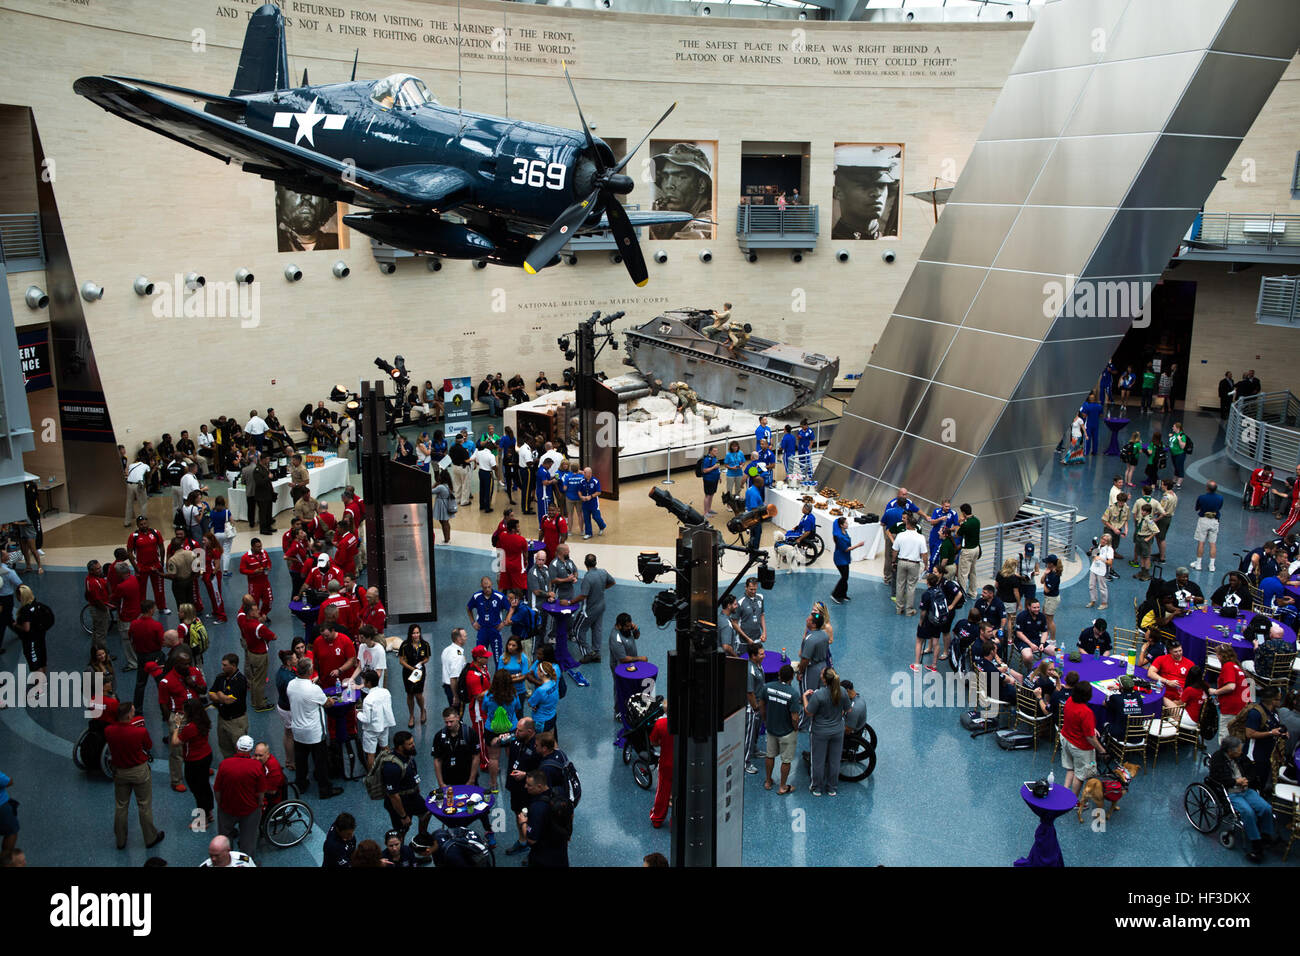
1202, 808
87, 620
869, 733
643, 773
628, 754
76, 750
1227, 838
287, 823
812, 548
858, 761
106, 762
1245, 497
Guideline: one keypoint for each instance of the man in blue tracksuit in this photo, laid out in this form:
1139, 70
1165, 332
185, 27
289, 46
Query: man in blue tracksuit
589, 494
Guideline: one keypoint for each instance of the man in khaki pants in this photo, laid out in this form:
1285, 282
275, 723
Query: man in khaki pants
254, 635
229, 692
912, 550
128, 744
137, 493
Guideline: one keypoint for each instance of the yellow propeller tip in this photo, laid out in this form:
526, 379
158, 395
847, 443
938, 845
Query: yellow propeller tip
529, 269
642, 283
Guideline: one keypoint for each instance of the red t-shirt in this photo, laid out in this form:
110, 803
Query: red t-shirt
338, 601
376, 616
194, 744
1078, 724
173, 692
239, 784
328, 522
254, 633
1170, 669
1194, 699
1231, 673
146, 549
345, 552
286, 539
319, 578
128, 742
146, 635
98, 591
515, 546
357, 508
128, 595
274, 775
330, 655
551, 531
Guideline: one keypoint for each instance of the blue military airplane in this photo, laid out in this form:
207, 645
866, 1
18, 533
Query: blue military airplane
436, 180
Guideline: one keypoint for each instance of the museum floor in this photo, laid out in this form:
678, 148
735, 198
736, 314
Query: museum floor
936, 798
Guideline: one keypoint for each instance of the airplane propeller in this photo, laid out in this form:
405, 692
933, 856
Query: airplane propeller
610, 183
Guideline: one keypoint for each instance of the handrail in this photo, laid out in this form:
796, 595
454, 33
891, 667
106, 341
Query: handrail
775, 220
20, 237
1248, 229
1263, 430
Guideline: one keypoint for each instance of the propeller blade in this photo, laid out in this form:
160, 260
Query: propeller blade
628, 247
623, 162
591, 143
561, 232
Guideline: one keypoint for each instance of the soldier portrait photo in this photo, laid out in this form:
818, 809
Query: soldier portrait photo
304, 222
868, 177
684, 182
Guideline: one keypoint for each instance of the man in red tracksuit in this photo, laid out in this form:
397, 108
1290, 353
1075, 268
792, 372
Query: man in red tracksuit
373, 611
342, 605
355, 507
212, 576
254, 635
145, 546
663, 793
346, 547
99, 595
126, 595
324, 572
1294, 514
326, 523
255, 565
183, 682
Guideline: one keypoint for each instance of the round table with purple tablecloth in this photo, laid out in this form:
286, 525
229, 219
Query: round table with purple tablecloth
468, 805
635, 678
563, 615
1196, 628
1046, 851
1116, 425
772, 662
1098, 670
1293, 588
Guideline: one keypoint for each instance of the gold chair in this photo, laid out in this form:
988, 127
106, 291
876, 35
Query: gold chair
1125, 642
1029, 713
1164, 730
1135, 739
1212, 663
1189, 732
1278, 676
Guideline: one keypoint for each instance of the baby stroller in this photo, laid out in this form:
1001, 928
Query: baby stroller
642, 712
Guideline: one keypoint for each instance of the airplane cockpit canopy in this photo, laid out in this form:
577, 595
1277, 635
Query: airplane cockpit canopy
401, 91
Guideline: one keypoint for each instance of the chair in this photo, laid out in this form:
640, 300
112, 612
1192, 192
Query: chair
1029, 713
1189, 732
1289, 811
1137, 614
1125, 642
1056, 726
988, 707
1135, 739
1278, 676
1212, 663
1164, 730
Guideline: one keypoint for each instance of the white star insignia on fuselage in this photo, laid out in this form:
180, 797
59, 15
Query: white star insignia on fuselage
307, 122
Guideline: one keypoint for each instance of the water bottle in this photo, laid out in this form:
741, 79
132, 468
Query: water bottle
1051, 778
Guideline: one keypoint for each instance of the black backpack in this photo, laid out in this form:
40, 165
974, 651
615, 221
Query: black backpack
472, 847
42, 617
1209, 723
572, 785
559, 820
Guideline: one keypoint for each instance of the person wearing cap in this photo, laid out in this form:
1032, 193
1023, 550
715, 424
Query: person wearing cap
477, 684
684, 182
1051, 593
866, 189
241, 780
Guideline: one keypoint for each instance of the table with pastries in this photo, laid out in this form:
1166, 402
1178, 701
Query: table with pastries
1193, 630
789, 509
460, 804
330, 474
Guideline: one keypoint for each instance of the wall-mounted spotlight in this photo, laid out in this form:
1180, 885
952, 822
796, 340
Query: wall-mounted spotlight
661, 257
706, 256
433, 265
751, 257
243, 276
292, 272
194, 281
615, 258
571, 259
91, 292
842, 255
35, 297
480, 263
796, 256
705, 11
142, 286
888, 255
340, 270
388, 268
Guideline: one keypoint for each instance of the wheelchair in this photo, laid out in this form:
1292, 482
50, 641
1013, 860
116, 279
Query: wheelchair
1208, 809
805, 553
858, 758
88, 619
91, 752
286, 820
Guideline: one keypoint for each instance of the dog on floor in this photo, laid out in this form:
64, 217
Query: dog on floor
1108, 789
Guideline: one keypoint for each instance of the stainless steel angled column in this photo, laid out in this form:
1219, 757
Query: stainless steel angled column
1115, 124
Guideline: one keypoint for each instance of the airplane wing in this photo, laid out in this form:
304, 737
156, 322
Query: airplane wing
650, 217
430, 187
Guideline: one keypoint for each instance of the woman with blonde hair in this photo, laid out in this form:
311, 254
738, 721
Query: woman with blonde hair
1007, 582
32, 622
827, 707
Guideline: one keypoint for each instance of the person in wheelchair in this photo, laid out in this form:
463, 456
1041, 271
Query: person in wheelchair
1231, 770
804, 531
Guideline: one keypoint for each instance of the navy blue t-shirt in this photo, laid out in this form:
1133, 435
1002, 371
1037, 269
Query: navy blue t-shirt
1209, 503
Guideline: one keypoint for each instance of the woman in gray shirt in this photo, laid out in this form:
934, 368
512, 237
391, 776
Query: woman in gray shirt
827, 707
814, 652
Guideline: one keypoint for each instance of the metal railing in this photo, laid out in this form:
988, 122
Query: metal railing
775, 220
1248, 229
20, 239
1263, 430
1279, 301
1049, 527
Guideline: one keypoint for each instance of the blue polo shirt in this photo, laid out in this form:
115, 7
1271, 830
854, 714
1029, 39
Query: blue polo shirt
805, 437
1272, 589
571, 480
1210, 502
842, 543
806, 523
767, 457
892, 517
788, 443
753, 498
735, 462
909, 506
589, 486
761, 433
489, 609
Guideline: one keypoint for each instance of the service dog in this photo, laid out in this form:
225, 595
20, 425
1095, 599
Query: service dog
1109, 788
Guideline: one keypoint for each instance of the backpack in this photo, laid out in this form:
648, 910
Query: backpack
1238, 726
1209, 724
501, 722
935, 607
699, 468
1189, 447
572, 785
42, 617
462, 686
178, 520
471, 845
1266, 653
198, 636
374, 780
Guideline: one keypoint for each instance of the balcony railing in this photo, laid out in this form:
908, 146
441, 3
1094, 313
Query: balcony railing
1265, 430
775, 220
1279, 301
21, 248
1267, 230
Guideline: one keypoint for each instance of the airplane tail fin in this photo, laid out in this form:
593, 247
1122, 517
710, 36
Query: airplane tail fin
264, 63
